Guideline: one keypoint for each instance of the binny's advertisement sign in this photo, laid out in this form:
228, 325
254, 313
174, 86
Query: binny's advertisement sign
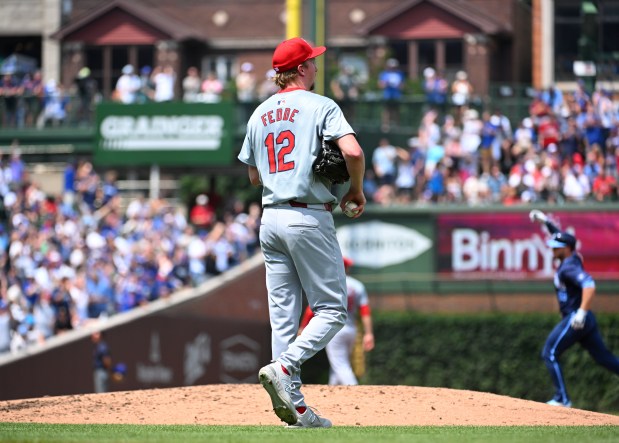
478, 251
508, 245
376, 244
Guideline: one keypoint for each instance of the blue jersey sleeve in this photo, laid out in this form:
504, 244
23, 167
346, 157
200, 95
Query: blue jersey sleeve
573, 274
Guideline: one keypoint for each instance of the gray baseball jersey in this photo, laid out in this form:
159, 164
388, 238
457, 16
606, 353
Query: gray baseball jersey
280, 134
299, 243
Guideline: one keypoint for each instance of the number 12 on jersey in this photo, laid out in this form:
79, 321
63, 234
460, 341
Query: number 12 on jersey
277, 148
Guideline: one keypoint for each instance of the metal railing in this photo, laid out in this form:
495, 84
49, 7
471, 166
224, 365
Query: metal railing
29, 113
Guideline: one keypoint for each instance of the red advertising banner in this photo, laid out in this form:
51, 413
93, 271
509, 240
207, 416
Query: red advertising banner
508, 245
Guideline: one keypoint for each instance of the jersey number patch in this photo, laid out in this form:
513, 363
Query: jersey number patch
278, 148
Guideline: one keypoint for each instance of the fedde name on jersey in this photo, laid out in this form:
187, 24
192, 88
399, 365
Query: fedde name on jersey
278, 115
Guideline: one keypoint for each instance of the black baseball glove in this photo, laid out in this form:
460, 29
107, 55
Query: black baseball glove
330, 163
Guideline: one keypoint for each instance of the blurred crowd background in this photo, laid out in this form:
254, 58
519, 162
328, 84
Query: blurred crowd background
85, 254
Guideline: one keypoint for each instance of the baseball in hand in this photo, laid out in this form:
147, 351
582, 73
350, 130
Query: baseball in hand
349, 208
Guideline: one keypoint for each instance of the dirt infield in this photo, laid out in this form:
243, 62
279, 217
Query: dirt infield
249, 405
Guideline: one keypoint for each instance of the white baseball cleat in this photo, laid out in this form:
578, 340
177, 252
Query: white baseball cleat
554, 402
309, 419
278, 385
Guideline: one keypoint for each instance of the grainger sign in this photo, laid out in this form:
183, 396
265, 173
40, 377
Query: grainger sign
175, 134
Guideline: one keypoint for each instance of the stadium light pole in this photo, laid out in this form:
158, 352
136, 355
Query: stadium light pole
319, 28
293, 18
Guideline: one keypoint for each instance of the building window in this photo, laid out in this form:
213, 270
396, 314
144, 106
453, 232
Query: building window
454, 60
568, 30
221, 65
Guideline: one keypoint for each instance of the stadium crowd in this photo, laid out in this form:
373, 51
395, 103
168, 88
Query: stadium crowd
83, 256
565, 150
28, 100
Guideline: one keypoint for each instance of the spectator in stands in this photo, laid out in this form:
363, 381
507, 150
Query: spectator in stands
44, 316
453, 186
164, 79
16, 165
607, 112
219, 251
55, 102
346, 89
435, 88
109, 187
246, 89
212, 88
461, 93
524, 137
63, 305
384, 161
572, 141
605, 187
553, 98
575, 184
100, 291
86, 91
191, 85
202, 215
450, 136
429, 130
435, 186
127, 86
87, 182
145, 92
391, 81
489, 131
503, 137
246, 83
471, 134
10, 91
495, 182
32, 97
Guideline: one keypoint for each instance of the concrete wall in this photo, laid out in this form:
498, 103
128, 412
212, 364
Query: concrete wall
217, 333
35, 18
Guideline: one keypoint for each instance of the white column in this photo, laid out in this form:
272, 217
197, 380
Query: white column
548, 43
50, 48
154, 182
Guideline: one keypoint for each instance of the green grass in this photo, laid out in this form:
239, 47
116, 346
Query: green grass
44, 433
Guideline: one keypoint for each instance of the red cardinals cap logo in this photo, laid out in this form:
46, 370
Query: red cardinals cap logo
291, 53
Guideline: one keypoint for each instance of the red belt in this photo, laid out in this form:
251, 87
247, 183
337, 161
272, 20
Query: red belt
325, 206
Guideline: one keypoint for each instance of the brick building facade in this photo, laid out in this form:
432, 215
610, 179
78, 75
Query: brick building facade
490, 39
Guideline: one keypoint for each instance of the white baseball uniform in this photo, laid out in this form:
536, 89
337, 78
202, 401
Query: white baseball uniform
297, 233
339, 349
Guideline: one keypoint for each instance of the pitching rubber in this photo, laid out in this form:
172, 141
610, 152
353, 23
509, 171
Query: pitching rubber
282, 407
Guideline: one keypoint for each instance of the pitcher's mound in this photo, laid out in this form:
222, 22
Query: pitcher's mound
247, 404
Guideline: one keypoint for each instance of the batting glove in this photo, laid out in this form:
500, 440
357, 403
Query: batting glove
537, 216
578, 320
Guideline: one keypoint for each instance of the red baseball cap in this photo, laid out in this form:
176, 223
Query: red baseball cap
348, 262
291, 53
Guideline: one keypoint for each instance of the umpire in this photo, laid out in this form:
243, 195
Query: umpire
575, 290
